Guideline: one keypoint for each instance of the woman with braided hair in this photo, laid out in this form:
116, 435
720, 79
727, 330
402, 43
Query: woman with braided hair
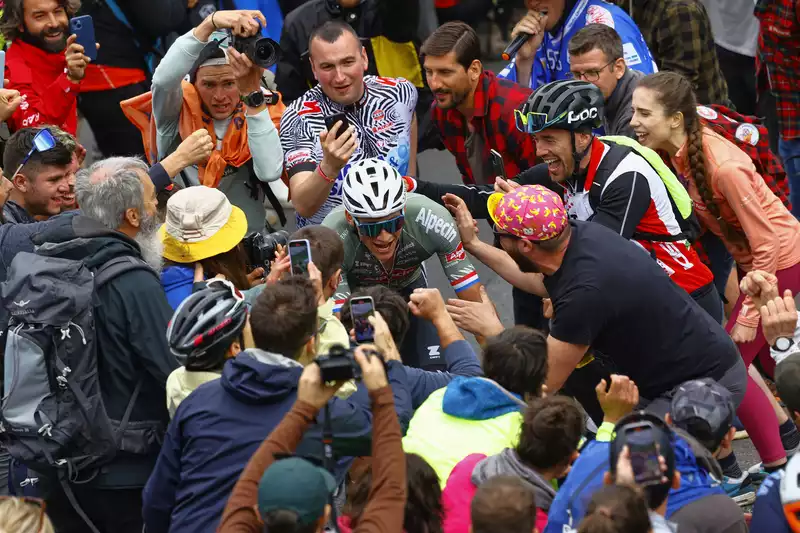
733, 202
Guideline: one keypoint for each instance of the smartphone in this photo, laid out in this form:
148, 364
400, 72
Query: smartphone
331, 120
299, 256
2, 69
644, 454
361, 308
83, 27
498, 166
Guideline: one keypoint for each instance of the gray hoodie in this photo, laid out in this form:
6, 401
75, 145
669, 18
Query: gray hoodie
508, 463
618, 112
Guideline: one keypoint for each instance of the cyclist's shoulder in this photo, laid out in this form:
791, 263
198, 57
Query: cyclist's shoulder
429, 222
337, 221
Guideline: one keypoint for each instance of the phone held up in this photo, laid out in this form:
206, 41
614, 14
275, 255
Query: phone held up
498, 166
331, 120
645, 463
361, 308
299, 256
83, 28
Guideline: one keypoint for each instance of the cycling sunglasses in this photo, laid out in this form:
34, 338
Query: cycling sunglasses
373, 229
531, 122
42, 142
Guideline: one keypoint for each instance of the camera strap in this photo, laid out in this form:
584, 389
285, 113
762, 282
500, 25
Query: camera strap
328, 462
256, 184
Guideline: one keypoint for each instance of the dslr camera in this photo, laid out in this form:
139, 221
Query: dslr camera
261, 247
338, 365
262, 51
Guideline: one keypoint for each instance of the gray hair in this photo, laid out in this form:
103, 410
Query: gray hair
110, 187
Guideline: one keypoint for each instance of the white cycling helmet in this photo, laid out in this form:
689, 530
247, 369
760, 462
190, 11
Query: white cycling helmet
373, 188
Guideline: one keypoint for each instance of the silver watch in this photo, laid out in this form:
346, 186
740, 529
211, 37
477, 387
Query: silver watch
783, 344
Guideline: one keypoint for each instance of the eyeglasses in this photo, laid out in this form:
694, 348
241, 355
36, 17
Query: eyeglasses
35, 502
42, 142
500, 233
590, 75
238, 296
531, 122
373, 229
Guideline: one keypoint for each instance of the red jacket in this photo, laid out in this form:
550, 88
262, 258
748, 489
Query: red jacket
41, 77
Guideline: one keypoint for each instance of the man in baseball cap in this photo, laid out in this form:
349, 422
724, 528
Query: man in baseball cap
295, 492
704, 409
531, 225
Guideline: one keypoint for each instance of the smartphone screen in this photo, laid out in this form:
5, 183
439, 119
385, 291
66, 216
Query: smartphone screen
331, 120
361, 309
644, 456
2, 68
299, 256
498, 166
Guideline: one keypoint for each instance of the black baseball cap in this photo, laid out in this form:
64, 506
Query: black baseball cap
662, 435
704, 409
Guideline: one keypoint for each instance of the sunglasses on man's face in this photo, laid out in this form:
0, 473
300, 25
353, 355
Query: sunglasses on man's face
42, 142
530, 122
373, 229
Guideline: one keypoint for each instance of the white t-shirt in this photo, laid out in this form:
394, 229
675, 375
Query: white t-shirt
734, 25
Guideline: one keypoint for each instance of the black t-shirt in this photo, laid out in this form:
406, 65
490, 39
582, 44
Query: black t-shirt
611, 295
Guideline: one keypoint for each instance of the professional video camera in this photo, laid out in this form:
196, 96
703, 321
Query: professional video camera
338, 365
262, 51
261, 247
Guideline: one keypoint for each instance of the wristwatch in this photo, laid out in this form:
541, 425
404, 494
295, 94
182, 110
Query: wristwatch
783, 344
254, 99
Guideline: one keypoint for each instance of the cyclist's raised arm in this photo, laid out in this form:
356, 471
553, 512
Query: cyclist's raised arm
475, 196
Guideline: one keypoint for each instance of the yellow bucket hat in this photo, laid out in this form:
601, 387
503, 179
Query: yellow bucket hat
201, 223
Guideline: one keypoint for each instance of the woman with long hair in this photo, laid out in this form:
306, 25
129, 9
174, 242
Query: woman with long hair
733, 202
423, 501
202, 238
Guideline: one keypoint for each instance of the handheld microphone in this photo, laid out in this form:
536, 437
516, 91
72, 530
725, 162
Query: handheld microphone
514, 46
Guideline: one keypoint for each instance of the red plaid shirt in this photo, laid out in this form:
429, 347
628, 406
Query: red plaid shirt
779, 53
495, 102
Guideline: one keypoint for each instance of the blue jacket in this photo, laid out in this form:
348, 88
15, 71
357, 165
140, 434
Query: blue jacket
586, 476
177, 281
768, 516
551, 62
220, 425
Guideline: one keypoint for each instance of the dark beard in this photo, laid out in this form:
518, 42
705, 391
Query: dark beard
38, 40
524, 264
457, 98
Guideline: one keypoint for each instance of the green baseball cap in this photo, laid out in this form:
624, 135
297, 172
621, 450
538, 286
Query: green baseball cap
295, 484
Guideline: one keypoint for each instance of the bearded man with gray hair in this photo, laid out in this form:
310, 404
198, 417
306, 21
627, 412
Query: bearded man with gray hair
117, 222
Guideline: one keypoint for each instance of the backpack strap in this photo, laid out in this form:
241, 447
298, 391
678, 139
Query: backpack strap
118, 266
256, 183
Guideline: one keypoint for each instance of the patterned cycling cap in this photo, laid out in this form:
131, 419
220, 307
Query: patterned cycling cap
533, 212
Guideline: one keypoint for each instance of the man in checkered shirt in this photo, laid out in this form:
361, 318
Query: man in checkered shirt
779, 57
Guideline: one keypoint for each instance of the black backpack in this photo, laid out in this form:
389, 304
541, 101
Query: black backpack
52, 417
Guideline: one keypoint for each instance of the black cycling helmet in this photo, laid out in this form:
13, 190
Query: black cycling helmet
205, 324
567, 104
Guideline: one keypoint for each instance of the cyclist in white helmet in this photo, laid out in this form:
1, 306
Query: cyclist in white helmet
388, 234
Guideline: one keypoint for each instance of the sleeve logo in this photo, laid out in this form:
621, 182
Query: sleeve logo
456, 255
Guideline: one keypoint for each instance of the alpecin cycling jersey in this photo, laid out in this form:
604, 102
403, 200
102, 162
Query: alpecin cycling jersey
429, 229
382, 120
